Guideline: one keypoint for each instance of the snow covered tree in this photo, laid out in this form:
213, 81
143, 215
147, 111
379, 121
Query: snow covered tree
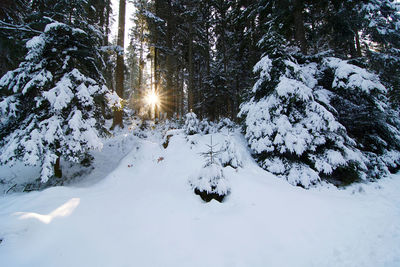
362, 106
318, 116
192, 124
211, 183
229, 155
382, 33
290, 129
53, 106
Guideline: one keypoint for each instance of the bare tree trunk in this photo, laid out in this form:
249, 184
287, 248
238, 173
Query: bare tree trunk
358, 46
119, 72
169, 101
181, 93
300, 34
156, 81
107, 26
141, 67
191, 72
57, 168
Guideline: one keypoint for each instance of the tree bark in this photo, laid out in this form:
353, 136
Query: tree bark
300, 34
141, 65
169, 100
358, 46
107, 24
119, 72
191, 72
156, 81
57, 168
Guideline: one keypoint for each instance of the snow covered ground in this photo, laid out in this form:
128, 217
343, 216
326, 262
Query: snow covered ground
144, 213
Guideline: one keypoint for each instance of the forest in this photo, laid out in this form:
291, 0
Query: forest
200, 133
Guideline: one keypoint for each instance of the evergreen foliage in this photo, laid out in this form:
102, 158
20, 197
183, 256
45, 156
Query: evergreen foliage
229, 155
191, 125
319, 116
54, 103
211, 182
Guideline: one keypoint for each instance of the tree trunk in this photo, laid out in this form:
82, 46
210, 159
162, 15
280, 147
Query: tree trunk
119, 72
156, 81
300, 34
358, 46
107, 24
141, 66
181, 94
57, 168
169, 100
191, 72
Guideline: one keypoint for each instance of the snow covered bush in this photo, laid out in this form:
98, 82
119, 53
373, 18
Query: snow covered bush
191, 125
54, 100
229, 155
210, 183
225, 123
206, 126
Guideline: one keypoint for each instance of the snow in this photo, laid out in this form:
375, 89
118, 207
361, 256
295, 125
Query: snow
351, 76
36, 42
192, 124
144, 213
114, 100
61, 95
54, 25
38, 80
211, 180
264, 66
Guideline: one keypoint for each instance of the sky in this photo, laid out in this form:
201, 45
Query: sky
130, 9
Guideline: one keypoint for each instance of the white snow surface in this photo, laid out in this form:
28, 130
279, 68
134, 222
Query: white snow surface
144, 213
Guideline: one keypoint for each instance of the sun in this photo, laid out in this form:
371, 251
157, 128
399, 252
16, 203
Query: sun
152, 98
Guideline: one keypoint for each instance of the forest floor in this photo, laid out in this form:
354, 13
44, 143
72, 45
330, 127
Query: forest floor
136, 208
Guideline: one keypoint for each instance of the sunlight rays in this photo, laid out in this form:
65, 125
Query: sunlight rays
152, 99
155, 103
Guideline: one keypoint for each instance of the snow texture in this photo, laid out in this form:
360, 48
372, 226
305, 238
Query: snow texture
144, 213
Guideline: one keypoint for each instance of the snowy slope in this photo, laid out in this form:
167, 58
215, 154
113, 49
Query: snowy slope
145, 214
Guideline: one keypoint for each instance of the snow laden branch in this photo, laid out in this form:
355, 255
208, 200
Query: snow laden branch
53, 106
8, 26
317, 120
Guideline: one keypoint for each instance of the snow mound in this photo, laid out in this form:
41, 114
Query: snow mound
144, 213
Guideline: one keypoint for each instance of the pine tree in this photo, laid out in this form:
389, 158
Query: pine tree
191, 124
291, 131
229, 155
211, 182
382, 20
315, 117
53, 105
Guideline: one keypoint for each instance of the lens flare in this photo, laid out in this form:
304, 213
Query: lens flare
152, 98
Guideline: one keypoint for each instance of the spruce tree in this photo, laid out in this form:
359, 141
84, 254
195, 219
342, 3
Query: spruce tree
315, 117
54, 99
